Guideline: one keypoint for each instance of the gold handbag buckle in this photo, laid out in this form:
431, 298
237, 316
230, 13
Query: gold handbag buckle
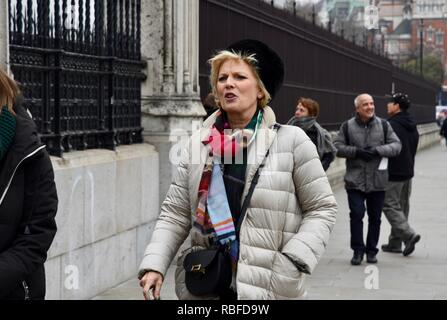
197, 268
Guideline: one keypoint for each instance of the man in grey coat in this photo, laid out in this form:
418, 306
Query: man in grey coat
366, 141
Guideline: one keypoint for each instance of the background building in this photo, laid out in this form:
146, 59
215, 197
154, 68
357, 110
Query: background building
404, 21
430, 21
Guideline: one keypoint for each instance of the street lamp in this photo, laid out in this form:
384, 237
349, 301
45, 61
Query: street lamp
421, 49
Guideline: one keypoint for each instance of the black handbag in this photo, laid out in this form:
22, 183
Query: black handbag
208, 272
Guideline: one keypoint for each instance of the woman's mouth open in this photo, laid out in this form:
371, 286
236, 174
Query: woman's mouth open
230, 97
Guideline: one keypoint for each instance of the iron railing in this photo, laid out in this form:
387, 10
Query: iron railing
319, 64
79, 67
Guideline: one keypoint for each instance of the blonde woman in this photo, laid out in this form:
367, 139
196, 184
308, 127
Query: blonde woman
286, 225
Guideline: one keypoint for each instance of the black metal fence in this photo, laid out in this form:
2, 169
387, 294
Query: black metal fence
319, 64
79, 67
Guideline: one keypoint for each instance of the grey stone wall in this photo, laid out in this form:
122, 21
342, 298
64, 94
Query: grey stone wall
108, 204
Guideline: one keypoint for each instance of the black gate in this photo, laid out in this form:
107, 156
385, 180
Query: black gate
79, 67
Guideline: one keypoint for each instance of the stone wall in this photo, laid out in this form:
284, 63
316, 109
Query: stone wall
108, 204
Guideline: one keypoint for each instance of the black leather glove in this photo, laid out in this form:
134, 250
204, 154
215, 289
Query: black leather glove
364, 154
373, 151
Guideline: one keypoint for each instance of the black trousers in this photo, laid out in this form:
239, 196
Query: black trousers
374, 204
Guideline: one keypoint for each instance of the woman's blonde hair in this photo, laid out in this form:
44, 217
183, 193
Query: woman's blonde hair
9, 90
222, 56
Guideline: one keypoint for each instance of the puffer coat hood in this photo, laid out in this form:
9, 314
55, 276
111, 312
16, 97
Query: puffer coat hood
405, 120
401, 168
288, 223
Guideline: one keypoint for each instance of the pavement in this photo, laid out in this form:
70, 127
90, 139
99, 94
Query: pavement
422, 275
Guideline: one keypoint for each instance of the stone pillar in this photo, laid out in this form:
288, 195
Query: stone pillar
168, 36
194, 43
171, 103
4, 36
186, 41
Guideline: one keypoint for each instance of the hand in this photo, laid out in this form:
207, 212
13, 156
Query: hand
151, 284
373, 150
365, 154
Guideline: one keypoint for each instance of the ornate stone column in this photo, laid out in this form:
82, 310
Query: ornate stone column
186, 54
4, 36
171, 106
168, 36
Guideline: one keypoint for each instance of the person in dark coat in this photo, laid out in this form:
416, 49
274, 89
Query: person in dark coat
306, 113
28, 200
443, 131
400, 172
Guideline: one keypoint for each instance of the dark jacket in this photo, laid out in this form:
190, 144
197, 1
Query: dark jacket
401, 168
28, 205
320, 137
360, 174
327, 157
443, 131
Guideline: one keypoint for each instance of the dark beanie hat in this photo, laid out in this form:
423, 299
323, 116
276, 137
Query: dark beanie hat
270, 66
401, 99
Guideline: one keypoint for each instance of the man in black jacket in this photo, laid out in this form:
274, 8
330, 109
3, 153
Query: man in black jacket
401, 170
443, 131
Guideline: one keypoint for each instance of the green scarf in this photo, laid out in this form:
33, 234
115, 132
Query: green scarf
7, 130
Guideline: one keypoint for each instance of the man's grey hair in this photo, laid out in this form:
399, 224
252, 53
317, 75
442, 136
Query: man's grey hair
357, 99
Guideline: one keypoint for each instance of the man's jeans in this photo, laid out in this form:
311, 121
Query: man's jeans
374, 204
396, 209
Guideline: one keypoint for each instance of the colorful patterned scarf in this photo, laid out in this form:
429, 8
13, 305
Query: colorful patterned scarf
213, 215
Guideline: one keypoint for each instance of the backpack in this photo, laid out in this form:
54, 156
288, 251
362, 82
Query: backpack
344, 128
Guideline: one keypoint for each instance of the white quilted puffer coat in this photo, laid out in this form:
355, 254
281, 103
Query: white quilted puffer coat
288, 223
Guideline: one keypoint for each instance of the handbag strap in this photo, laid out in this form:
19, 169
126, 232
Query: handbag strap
253, 184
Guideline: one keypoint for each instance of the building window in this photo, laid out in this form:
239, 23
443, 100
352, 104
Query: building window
429, 35
393, 47
440, 38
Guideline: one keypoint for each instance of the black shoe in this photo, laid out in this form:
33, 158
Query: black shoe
371, 258
357, 259
389, 248
410, 244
